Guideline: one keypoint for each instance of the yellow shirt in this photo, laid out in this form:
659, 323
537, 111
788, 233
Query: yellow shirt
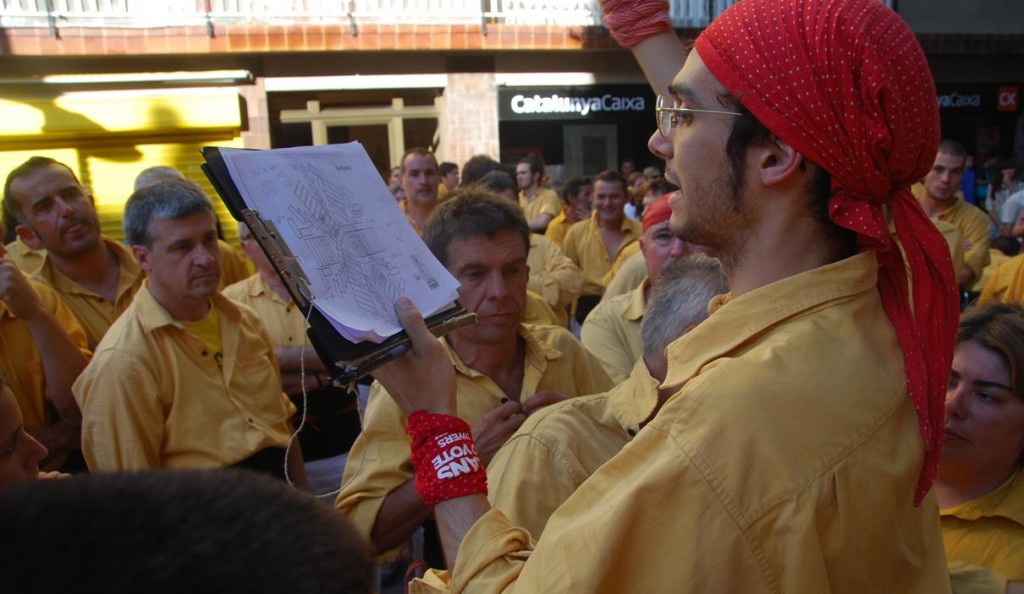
285, 322
974, 225
552, 275
1006, 283
782, 465
989, 531
545, 201
379, 460
625, 254
584, 246
557, 228
208, 331
996, 259
612, 332
234, 266
95, 313
27, 259
153, 397
539, 313
560, 446
629, 276
22, 367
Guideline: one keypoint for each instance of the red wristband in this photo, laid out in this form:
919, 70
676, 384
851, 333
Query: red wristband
632, 21
444, 458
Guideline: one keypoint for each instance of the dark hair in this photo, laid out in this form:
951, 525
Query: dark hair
658, 186
472, 211
417, 150
614, 177
446, 168
12, 210
999, 327
498, 182
177, 531
477, 167
748, 131
572, 188
162, 201
536, 164
950, 147
1008, 245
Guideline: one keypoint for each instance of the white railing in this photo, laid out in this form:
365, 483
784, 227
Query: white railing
57, 14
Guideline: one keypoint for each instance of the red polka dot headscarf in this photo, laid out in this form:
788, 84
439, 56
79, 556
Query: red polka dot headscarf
846, 84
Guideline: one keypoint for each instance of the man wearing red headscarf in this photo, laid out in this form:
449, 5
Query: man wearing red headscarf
612, 330
799, 449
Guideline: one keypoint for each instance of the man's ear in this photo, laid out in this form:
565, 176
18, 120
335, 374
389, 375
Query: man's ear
141, 254
28, 237
779, 163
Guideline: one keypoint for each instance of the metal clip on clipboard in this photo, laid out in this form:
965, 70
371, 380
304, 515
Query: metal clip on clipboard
281, 258
298, 284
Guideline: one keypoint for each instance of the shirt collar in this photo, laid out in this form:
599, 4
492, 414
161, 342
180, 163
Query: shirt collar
153, 316
633, 400
128, 273
1006, 501
634, 311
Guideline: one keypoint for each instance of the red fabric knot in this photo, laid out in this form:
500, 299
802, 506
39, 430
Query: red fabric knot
847, 85
444, 458
631, 21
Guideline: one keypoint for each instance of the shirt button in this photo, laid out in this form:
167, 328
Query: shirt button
250, 420
203, 353
631, 432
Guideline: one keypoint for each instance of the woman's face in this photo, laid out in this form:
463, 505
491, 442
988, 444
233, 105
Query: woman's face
984, 418
20, 453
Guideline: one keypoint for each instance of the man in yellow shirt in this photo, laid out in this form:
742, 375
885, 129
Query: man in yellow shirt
420, 180
185, 378
595, 243
779, 465
558, 448
42, 351
540, 205
940, 201
505, 370
577, 202
612, 330
331, 416
449, 174
94, 275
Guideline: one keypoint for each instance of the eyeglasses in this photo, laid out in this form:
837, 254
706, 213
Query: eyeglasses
667, 120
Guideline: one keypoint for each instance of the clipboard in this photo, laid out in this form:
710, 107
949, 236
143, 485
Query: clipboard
347, 361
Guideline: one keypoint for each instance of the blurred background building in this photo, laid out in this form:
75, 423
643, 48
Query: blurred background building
113, 86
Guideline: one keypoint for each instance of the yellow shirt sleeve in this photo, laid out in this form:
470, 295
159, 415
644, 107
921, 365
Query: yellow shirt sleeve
124, 429
553, 276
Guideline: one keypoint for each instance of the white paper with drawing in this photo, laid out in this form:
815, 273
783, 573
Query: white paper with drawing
344, 227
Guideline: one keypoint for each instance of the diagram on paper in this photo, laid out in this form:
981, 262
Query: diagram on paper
351, 260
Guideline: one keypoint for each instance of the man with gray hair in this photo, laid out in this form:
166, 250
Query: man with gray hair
185, 378
233, 266
558, 448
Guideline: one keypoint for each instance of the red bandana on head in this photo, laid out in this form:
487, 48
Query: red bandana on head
846, 84
657, 212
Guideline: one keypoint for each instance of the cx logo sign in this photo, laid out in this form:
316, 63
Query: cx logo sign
1007, 98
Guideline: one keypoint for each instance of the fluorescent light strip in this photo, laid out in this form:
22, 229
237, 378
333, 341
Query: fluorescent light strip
148, 77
